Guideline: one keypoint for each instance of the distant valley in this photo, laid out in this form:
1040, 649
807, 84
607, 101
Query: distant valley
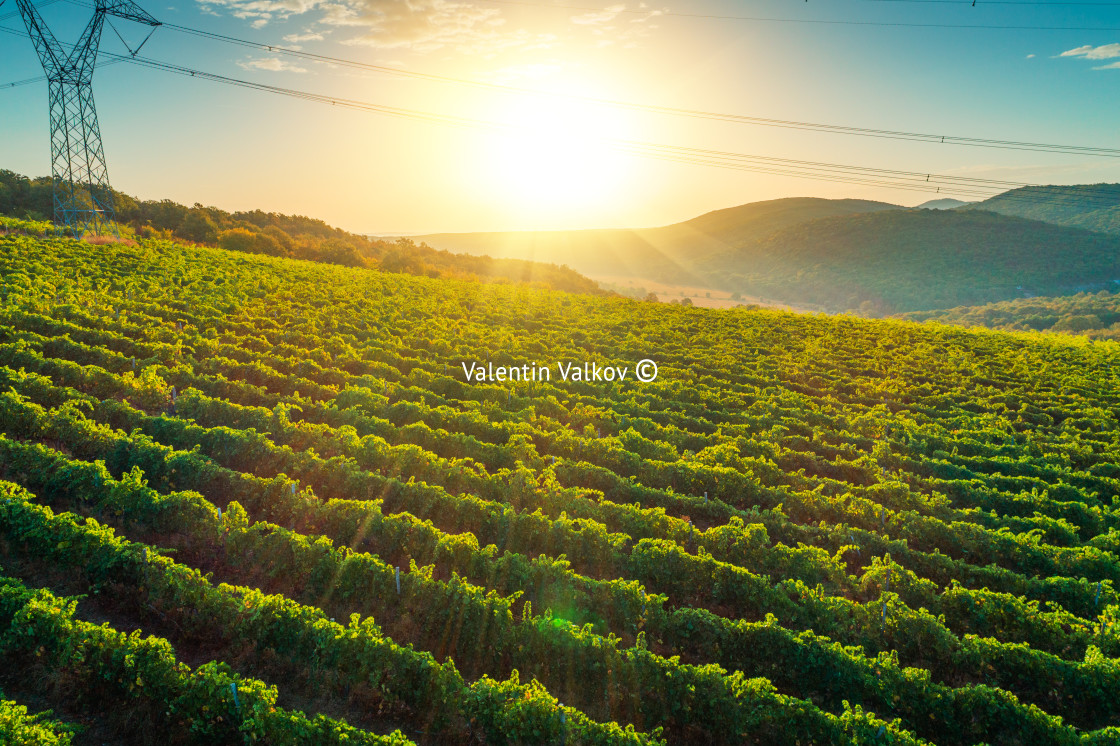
870, 257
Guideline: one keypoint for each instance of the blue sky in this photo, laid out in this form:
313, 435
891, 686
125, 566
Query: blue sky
197, 141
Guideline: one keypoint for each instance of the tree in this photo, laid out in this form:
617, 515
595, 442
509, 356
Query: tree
337, 251
242, 239
287, 245
197, 226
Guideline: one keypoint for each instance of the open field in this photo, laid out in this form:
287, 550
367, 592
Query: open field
807, 529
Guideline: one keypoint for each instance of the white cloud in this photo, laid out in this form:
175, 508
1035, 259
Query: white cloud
260, 11
1110, 66
428, 25
272, 64
1030, 56
298, 38
603, 24
419, 25
1089, 52
606, 15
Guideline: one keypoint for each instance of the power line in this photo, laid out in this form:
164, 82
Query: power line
816, 21
1081, 150
889, 178
41, 78
15, 13
913, 180
1044, 3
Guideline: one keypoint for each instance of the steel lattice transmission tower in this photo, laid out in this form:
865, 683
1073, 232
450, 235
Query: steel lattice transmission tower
83, 200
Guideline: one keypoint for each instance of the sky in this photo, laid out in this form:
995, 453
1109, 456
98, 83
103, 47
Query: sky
506, 115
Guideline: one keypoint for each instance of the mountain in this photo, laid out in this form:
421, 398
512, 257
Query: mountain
910, 260
945, 203
1095, 207
834, 255
667, 254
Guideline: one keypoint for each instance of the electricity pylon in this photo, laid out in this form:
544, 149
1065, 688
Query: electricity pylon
83, 200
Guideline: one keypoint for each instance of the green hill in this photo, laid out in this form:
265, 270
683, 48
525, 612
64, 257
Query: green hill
834, 255
248, 499
944, 203
675, 253
736, 225
909, 260
294, 236
1094, 207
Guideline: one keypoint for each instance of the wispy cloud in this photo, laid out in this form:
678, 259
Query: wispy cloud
595, 18
616, 24
428, 25
1089, 52
300, 38
260, 11
272, 64
1110, 66
419, 25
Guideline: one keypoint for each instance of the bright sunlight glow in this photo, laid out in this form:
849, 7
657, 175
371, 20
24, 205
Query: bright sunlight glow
553, 157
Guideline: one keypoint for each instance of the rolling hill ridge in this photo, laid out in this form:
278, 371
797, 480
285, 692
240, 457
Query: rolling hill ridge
836, 255
1094, 207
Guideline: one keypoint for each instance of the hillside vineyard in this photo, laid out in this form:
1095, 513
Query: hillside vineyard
254, 500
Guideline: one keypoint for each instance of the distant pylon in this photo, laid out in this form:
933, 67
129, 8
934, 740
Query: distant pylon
83, 200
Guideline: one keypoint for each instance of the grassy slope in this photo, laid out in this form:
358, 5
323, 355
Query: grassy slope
947, 449
1093, 315
295, 236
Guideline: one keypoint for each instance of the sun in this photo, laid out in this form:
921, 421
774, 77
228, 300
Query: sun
554, 156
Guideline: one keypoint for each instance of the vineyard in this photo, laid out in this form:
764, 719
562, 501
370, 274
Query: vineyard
246, 499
